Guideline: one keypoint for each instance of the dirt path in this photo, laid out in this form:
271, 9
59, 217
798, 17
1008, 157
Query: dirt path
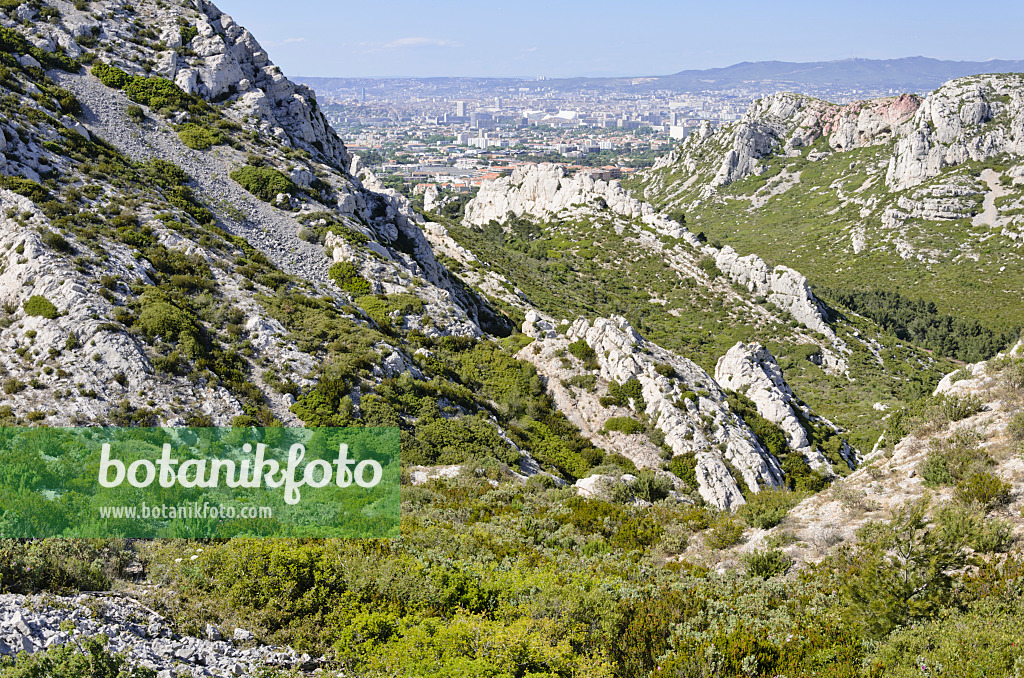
989, 214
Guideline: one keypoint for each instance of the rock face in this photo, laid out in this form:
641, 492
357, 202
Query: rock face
546, 189
783, 286
751, 369
786, 122
951, 127
235, 65
974, 118
679, 399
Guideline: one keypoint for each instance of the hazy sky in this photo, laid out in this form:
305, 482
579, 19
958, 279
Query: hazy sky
559, 38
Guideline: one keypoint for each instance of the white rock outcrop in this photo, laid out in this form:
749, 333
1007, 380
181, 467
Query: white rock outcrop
679, 399
751, 369
783, 286
950, 128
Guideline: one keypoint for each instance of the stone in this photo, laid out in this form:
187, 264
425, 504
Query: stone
28, 61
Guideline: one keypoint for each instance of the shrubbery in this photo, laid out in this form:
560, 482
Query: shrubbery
39, 305
263, 182
767, 563
982, 489
954, 459
25, 187
767, 508
581, 349
199, 137
627, 425
111, 76
346, 276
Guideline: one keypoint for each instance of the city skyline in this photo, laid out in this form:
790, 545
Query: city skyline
533, 39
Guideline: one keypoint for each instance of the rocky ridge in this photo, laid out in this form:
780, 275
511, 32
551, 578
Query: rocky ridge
547, 192
680, 400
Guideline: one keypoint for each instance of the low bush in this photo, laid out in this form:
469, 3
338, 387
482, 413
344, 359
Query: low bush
87, 656
982, 489
954, 408
726, 530
198, 137
767, 563
157, 93
581, 349
111, 76
39, 305
954, 459
346, 276
56, 241
1015, 429
25, 187
627, 425
684, 467
263, 182
767, 508
135, 113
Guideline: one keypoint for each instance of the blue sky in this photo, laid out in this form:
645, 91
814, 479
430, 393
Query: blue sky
559, 38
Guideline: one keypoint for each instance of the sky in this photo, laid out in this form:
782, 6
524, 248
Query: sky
565, 38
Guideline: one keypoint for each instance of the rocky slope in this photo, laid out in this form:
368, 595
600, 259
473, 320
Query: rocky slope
683, 409
547, 192
897, 474
893, 193
68, 239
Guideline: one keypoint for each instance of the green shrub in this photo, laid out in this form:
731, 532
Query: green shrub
56, 241
111, 76
955, 408
665, 370
900, 571
39, 305
85, 657
621, 394
581, 349
624, 425
13, 385
198, 137
770, 435
135, 113
1015, 429
346, 276
263, 182
767, 508
708, 265
982, 489
954, 459
188, 33
157, 93
726, 530
25, 187
162, 318
684, 467
767, 563
61, 565
650, 486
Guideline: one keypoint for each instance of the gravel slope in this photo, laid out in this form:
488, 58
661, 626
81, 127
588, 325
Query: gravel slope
268, 229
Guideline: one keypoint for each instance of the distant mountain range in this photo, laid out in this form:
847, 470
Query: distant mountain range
909, 74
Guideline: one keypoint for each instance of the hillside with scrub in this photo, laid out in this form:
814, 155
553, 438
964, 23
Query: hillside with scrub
643, 431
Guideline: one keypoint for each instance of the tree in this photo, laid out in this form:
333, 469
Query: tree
902, 570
